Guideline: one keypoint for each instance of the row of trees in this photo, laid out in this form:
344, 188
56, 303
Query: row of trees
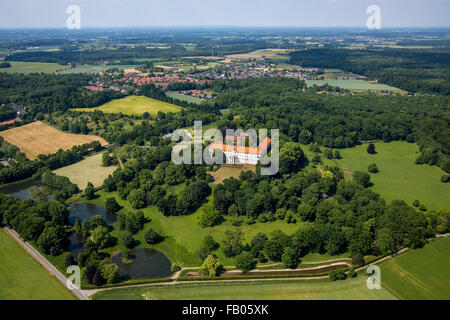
25, 168
40, 222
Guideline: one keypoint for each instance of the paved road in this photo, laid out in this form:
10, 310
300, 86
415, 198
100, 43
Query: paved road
44, 262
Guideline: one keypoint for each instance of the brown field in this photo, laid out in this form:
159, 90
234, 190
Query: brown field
258, 54
38, 138
230, 170
87, 170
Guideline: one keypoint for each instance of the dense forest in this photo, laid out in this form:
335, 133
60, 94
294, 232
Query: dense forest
413, 70
341, 216
49, 93
74, 55
337, 121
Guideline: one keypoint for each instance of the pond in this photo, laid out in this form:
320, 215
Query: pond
85, 211
28, 189
75, 245
147, 263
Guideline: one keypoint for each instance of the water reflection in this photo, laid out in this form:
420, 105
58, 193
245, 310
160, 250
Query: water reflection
147, 263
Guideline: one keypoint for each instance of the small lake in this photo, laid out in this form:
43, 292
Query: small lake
85, 211
147, 263
75, 245
28, 189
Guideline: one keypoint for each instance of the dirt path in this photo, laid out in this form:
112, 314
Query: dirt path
120, 162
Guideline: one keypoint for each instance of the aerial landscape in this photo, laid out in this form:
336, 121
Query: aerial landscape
249, 160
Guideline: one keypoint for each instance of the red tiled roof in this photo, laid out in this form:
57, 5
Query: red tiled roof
225, 147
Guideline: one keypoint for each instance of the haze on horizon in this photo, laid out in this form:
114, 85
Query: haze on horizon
244, 13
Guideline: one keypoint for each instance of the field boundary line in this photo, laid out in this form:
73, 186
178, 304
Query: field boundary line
36, 255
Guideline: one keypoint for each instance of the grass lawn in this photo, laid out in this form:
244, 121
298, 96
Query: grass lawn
134, 105
183, 97
38, 138
87, 170
353, 85
263, 290
399, 177
419, 274
184, 235
30, 67
227, 171
21, 277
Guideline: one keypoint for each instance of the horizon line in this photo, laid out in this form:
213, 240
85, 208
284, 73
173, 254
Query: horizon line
223, 26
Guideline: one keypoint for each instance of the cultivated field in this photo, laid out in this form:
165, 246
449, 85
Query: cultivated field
87, 170
276, 54
354, 85
87, 68
398, 177
227, 171
38, 138
22, 278
419, 274
30, 67
134, 105
355, 289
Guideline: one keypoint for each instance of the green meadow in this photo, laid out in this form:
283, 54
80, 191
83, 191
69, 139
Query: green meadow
23, 278
353, 85
351, 289
31, 67
183, 97
416, 274
183, 235
399, 178
134, 105
421, 273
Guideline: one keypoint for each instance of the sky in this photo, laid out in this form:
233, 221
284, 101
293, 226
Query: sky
293, 13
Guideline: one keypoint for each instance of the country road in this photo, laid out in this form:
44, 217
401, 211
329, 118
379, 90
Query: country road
44, 262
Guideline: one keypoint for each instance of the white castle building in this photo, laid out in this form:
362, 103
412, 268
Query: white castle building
236, 154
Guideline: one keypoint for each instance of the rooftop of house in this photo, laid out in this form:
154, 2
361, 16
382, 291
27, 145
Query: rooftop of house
219, 145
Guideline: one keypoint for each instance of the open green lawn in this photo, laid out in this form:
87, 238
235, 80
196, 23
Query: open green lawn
353, 85
183, 97
134, 105
399, 177
266, 290
419, 274
184, 235
29, 67
21, 277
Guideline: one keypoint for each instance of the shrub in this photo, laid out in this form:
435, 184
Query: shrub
372, 168
128, 240
111, 206
152, 237
358, 260
371, 149
245, 262
175, 267
210, 267
70, 260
